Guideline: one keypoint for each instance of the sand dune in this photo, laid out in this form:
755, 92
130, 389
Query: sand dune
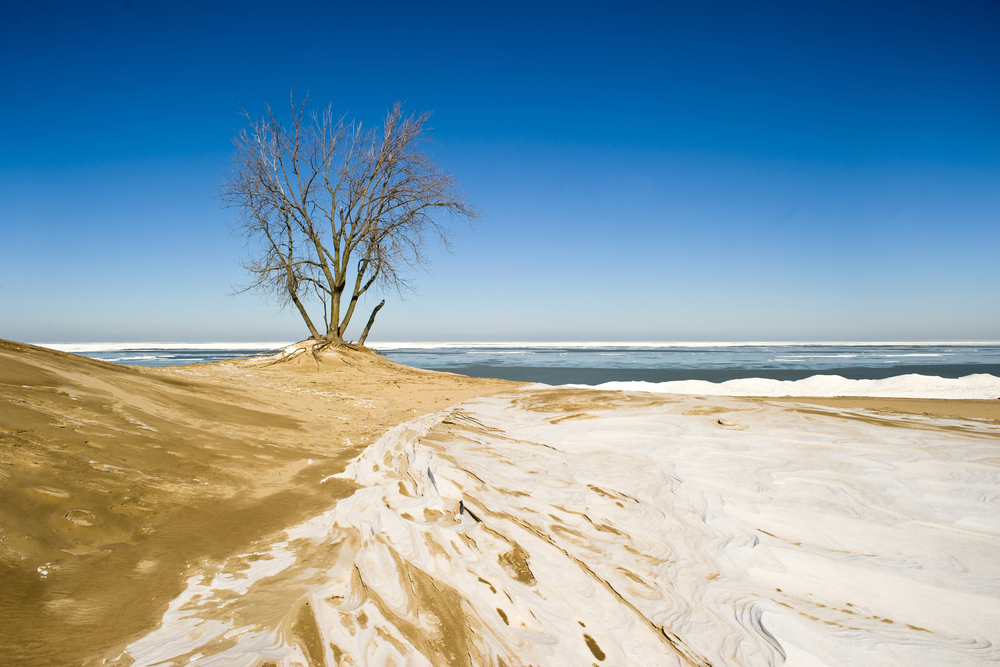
248, 514
114, 481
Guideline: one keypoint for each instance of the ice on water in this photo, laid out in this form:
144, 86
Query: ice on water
165, 354
681, 360
557, 526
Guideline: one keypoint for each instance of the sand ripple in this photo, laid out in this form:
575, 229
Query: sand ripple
676, 531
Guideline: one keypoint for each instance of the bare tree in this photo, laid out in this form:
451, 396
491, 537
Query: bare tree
332, 210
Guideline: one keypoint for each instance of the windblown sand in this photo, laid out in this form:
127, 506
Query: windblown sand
243, 514
116, 482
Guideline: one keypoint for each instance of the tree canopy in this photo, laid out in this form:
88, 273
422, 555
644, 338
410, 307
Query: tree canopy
331, 209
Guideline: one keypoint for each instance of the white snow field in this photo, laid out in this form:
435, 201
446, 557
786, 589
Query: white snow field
556, 526
978, 386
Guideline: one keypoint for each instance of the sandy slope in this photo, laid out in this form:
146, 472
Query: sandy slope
149, 513
115, 480
566, 527
961, 409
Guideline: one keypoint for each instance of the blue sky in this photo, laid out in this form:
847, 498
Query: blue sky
647, 171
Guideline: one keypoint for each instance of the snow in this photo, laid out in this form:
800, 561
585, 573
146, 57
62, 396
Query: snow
977, 386
565, 527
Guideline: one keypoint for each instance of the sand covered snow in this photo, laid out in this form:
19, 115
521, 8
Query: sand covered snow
582, 527
117, 482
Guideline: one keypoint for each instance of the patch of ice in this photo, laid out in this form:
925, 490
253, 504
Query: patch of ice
978, 386
77, 348
419, 345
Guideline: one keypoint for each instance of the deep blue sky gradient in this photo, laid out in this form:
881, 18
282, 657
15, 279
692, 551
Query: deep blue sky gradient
647, 171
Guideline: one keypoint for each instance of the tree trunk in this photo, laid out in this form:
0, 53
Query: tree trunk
371, 321
305, 316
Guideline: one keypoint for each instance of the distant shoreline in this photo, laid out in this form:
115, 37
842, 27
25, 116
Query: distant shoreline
63, 346
597, 363
596, 376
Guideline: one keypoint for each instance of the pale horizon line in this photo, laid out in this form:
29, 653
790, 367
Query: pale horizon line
395, 345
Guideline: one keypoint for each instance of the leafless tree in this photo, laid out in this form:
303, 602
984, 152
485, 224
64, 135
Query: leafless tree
332, 210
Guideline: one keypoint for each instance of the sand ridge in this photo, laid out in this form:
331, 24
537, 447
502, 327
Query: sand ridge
115, 481
977, 409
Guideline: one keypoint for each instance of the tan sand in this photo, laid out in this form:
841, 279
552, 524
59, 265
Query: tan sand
955, 409
113, 480
566, 526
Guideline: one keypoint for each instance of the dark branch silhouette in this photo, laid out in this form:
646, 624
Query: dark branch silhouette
331, 210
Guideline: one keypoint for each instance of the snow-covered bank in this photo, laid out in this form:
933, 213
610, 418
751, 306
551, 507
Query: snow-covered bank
568, 527
978, 386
